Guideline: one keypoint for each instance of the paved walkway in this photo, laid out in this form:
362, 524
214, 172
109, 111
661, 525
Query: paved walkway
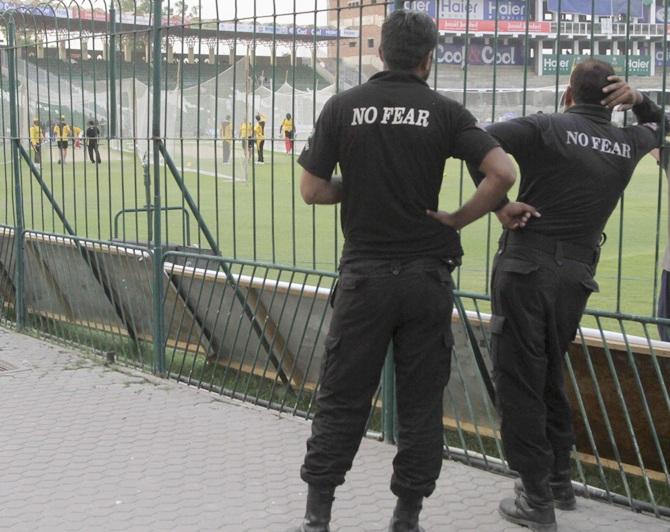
86, 447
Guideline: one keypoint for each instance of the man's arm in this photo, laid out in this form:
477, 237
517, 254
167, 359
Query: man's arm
318, 191
620, 94
499, 176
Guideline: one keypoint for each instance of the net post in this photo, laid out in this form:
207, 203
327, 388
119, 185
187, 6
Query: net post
157, 289
19, 223
112, 71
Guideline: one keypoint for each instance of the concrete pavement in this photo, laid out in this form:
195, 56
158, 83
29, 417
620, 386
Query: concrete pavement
87, 447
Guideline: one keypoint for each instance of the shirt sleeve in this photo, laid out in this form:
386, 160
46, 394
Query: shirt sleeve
648, 137
320, 154
470, 143
518, 136
648, 111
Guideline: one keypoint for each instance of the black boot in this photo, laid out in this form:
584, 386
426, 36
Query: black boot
317, 514
560, 483
406, 516
533, 508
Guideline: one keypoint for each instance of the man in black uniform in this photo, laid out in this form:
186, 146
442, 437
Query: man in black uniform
574, 167
92, 135
391, 137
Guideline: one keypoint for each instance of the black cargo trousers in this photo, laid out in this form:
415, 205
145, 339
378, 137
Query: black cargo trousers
377, 302
539, 291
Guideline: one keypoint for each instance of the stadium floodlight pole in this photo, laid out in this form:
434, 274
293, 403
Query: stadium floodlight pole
18, 193
157, 289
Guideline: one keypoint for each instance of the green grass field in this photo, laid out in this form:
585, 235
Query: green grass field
263, 218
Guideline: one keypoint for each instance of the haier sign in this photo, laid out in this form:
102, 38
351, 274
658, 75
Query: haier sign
473, 9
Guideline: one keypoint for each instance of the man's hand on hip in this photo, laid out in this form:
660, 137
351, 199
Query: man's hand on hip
515, 215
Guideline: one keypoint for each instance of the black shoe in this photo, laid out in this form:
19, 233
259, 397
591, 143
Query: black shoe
534, 508
561, 489
520, 512
560, 481
406, 516
317, 514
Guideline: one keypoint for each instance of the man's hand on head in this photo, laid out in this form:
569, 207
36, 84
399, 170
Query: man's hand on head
620, 95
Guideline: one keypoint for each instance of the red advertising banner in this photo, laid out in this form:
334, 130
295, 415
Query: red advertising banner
87, 14
489, 26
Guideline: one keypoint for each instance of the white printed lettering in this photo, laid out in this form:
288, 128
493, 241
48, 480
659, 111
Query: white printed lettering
601, 144
607, 145
390, 115
595, 142
422, 119
409, 117
359, 112
370, 115
397, 115
583, 139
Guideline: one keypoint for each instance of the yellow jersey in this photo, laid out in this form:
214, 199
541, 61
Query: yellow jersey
227, 131
287, 125
77, 131
246, 130
35, 135
62, 133
259, 130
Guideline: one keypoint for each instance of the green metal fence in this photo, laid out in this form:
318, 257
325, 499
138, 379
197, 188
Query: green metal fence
180, 253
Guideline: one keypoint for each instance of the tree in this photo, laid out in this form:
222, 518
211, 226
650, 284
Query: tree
129, 6
181, 7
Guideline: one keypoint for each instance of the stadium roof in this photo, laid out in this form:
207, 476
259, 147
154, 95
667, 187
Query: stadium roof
96, 21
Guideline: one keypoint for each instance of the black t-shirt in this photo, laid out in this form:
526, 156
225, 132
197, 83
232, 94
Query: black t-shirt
391, 137
575, 165
92, 133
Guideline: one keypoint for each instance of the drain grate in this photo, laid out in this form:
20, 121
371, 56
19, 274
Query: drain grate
6, 366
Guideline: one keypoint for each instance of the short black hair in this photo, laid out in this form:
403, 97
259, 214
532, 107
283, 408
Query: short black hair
407, 38
588, 79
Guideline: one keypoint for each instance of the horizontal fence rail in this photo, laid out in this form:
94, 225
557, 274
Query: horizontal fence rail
166, 239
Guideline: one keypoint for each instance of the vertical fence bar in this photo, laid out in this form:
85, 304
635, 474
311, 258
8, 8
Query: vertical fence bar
18, 193
388, 398
388, 378
159, 347
112, 71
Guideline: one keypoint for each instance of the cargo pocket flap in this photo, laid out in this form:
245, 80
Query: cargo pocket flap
591, 285
350, 282
496, 324
518, 266
443, 275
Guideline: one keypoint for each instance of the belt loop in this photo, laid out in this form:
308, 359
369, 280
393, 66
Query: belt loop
559, 256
